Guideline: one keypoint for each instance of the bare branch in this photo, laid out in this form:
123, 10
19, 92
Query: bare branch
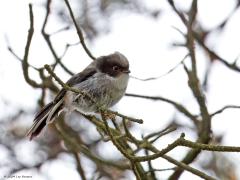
25, 64
75, 145
225, 108
79, 31
188, 168
48, 41
168, 72
178, 106
194, 84
79, 166
19, 59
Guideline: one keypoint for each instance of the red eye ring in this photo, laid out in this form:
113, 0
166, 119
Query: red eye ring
115, 68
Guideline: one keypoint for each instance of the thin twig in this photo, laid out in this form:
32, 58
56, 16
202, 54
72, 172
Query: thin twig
79, 166
140, 121
168, 72
48, 41
67, 47
163, 131
151, 171
178, 106
160, 170
19, 59
171, 129
224, 108
60, 30
79, 31
188, 168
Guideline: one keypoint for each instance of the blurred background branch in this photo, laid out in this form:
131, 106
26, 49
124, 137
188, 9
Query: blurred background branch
83, 137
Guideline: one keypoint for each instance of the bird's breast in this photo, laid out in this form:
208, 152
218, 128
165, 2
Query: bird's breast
105, 90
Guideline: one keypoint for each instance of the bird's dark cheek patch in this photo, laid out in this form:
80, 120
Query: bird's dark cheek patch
111, 72
114, 73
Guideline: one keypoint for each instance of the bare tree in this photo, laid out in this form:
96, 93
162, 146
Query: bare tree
137, 154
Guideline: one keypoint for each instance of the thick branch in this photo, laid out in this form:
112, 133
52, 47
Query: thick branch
194, 84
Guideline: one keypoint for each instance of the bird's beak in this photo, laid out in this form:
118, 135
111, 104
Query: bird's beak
126, 71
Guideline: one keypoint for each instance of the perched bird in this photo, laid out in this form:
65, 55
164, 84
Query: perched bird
104, 82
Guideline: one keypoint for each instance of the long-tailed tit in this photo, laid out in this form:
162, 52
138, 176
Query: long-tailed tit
104, 82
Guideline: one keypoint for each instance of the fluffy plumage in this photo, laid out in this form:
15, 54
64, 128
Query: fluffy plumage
105, 80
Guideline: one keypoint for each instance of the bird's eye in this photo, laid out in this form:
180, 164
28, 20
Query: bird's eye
116, 68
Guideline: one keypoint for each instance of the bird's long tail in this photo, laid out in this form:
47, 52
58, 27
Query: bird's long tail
45, 116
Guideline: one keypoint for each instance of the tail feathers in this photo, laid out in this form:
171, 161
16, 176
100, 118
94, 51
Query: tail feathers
44, 117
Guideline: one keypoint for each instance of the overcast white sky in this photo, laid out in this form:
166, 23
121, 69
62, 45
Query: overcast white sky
146, 43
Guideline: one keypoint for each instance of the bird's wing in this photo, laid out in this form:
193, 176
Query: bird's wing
82, 76
77, 78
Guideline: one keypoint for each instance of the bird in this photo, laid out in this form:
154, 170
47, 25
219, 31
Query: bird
104, 81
